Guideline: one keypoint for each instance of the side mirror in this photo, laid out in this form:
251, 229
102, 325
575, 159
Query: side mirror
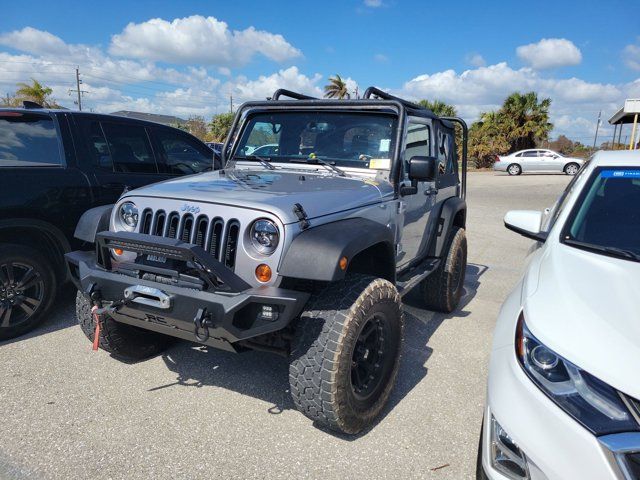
526, 223
422, 169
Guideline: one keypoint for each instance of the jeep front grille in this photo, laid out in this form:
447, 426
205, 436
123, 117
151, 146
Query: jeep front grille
215, 236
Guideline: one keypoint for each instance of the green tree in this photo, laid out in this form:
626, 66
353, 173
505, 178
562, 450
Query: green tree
439, 107
220, 126
36, 92
336, 88
526, 119
197, 126
488, 138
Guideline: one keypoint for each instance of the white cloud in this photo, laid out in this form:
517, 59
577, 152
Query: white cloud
35, 41
198, 39
381, 58
264, 86
373, 3
631, 56
550, 53
476, 60
573, 101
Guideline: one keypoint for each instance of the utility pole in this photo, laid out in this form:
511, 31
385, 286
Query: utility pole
595, 139
78, 90
231, 102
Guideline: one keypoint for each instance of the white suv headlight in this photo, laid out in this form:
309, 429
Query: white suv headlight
128, 216
593, 403
264, 236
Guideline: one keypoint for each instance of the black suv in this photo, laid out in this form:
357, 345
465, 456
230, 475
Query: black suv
55, 165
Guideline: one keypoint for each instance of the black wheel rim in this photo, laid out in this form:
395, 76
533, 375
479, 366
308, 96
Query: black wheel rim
21, 293
370, 357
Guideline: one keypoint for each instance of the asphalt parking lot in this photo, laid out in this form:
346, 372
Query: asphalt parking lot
68, 412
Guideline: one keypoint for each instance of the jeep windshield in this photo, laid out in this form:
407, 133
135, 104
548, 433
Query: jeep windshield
347, 139
606, 220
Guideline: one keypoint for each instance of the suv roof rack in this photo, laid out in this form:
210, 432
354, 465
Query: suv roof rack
283, 92
374, 92
29, 104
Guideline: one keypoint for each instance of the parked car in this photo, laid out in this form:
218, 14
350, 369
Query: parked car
266, 150
55, 165
306, 254
537, 160
563, 397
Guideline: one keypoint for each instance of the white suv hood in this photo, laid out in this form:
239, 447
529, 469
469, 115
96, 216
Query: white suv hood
587, 309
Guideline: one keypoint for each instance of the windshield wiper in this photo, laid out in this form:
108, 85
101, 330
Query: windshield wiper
263, 161
613, 251
324, 163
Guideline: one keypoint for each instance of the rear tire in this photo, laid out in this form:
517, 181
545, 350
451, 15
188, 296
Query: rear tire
27, 289
442, 289
514, 169
119, 339
346, 352
571, 168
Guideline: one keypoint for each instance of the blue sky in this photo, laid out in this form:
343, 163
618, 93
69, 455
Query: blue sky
584, 55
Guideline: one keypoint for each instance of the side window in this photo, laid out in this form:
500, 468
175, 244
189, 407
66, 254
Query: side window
130, 148
549, 219
417, 143
530, 153
28, 140
519, 154
98, 148
180, 154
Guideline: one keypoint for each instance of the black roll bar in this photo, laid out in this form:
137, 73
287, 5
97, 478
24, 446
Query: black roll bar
283, 92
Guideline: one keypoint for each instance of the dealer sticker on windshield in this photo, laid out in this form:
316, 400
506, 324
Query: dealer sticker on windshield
620, 173
380, 163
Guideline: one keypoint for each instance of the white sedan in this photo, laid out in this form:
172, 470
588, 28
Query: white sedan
537, 160
563, 396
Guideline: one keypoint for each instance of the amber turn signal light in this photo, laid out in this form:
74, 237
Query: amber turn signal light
118, 251
343, 263
263, 272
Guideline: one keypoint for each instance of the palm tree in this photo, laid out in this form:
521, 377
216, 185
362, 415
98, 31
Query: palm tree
526, 119
36, 92
336, 88
439, 107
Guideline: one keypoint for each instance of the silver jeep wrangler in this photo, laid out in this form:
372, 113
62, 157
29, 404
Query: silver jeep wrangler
327, 212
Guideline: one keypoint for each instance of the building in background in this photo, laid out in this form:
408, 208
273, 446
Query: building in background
629, 113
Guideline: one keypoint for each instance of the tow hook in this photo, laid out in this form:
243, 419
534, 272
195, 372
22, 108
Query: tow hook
202, 322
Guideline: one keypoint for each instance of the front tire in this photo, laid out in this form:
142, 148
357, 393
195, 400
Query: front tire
443, 289
121, 340
27, 289
346, 352
571, 168
514, 169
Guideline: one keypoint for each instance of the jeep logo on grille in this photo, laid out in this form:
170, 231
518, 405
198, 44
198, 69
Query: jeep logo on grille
190, 208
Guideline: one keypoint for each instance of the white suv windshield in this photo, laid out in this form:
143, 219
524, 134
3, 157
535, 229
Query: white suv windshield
607, 217
365, 140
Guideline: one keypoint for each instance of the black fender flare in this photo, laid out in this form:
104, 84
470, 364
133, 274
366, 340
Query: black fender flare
315, 253
93, 221
450, 209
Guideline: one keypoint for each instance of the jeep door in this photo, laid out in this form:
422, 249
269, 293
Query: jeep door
417, 208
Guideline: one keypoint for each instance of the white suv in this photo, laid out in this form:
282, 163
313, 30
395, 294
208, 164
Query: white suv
563, 398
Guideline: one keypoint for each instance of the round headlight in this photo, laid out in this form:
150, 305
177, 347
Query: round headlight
264, 236
128, 216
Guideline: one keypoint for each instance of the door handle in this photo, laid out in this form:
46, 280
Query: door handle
431, 191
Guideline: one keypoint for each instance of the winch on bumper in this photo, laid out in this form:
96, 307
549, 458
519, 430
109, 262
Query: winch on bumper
178, 289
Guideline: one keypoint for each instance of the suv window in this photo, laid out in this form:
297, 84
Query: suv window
28, 140
180, 154
98, 148
130, 149
417, 143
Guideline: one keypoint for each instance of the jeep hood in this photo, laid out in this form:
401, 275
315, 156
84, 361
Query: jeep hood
274, 191
585, 308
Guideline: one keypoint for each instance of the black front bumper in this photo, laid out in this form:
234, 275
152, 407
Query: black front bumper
167, 304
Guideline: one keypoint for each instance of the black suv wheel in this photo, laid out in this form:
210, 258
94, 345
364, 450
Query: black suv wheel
27, 288
442, 289
346, 353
